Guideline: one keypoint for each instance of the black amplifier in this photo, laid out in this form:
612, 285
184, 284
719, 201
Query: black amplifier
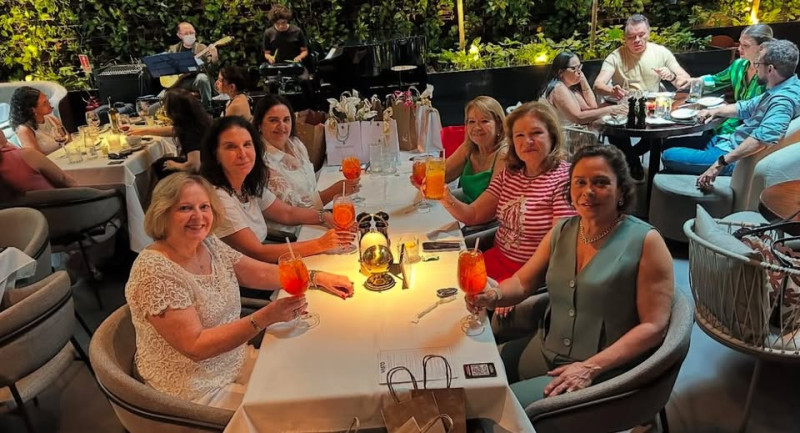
123, 83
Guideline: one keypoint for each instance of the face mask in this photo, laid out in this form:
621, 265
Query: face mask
188, 39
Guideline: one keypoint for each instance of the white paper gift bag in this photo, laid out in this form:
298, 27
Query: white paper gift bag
374, 131
429, 129
342, 139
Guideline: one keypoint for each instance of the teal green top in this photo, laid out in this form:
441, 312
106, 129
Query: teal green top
735, 76
592, 309
474, 184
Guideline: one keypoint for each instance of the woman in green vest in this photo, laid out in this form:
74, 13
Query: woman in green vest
741, 74
610, 280
482, 154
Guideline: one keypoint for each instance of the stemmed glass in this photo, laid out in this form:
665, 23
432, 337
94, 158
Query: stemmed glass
351, 169
344, 217
472, 280
92, 119
418, 177
61, 137
294, 278
124, 123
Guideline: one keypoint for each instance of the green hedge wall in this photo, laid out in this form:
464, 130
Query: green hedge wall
41, 38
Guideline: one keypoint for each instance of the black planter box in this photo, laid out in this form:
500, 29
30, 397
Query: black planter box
452, 90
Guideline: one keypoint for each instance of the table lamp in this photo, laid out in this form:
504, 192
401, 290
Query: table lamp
375, 255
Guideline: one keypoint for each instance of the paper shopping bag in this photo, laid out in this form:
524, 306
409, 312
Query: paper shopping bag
429, 130
405, 114
451, 401
311, 131
421, 409
343, 139
380, 132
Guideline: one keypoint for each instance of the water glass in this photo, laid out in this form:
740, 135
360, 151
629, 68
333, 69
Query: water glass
663, 105
376, 151
113, 143
74, 154
695, 90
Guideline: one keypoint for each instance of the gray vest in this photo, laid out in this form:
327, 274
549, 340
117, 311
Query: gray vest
593, 309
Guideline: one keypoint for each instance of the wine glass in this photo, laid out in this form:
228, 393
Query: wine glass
61, 136
294, 278
472, 280
351, 169
142, 108
92, 119
434, 178
344, 217
418, 177
124, 123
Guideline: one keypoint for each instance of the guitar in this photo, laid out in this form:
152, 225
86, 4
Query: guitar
169, 80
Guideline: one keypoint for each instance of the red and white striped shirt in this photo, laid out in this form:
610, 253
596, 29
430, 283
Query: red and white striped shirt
526, 208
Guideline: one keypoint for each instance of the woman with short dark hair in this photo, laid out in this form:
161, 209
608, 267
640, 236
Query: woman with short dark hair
232, 82
610, 280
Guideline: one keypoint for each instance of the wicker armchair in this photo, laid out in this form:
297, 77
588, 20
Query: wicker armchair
736, 306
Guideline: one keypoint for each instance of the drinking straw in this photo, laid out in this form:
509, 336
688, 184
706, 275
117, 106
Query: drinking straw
289, 244
474, 250
343, 185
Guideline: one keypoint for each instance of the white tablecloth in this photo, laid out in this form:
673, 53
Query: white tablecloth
14, 265
319, 379
97, 172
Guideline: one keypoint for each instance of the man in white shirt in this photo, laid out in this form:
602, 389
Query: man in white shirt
637, 65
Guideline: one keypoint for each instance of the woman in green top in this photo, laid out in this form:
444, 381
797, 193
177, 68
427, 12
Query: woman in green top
482, 154
741, 74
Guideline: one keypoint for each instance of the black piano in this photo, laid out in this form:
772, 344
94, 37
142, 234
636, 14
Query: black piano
374, 67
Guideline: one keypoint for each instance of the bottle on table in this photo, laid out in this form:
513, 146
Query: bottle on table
113, 117
631, 113
641, 115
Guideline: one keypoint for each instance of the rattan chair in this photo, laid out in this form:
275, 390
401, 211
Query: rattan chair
631, 399
734, 306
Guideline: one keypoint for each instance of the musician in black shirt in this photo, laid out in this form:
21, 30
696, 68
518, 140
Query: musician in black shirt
283, 42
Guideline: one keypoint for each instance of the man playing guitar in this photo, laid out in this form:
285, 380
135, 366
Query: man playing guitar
195, 82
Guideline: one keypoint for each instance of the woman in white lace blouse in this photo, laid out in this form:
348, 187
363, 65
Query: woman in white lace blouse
291, 173
183, 293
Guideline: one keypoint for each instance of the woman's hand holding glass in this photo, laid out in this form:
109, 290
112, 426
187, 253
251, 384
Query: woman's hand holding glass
284, 309
351, 186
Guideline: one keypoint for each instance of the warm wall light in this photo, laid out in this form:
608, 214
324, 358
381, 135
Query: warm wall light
540, 59
461, 38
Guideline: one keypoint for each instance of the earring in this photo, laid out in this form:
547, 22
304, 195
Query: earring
619, 203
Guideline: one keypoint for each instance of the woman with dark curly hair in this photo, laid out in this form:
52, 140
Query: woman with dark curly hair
32, 120
610, 280
189, 125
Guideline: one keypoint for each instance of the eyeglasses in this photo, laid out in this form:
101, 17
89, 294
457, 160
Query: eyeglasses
576, 68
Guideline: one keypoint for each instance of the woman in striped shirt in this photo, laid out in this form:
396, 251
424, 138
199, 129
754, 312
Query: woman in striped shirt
527, 196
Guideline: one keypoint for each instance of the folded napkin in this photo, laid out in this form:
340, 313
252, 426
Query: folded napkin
451, 229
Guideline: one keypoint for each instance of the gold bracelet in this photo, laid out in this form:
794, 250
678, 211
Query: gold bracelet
255, 324
312, 277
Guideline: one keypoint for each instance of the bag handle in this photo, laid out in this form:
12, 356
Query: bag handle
354, 426
391, 384
444, 417
780, 225
783, 258
447, 370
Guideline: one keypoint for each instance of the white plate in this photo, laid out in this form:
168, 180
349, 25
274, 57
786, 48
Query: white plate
610, 120
683, 114
710, 101
658, 121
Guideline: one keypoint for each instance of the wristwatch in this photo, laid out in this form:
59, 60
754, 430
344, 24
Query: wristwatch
721, 161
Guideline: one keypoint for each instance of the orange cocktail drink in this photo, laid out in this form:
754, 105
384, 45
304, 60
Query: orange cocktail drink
293, 274
344, 218
434, 178
472, 280
418, 172
351, 167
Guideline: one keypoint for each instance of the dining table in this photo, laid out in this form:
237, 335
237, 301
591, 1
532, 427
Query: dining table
318, 379
131, 175
781, 202
657, 131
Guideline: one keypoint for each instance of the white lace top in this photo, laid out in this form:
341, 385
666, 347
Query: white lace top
157, 283
291, 177
45, 134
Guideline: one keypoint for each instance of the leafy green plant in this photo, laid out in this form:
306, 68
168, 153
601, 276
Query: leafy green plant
38, 42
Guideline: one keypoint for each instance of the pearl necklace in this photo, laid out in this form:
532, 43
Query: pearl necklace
602, 234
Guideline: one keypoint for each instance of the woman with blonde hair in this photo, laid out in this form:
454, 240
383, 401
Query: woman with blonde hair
481, 156
183, 292
526, 196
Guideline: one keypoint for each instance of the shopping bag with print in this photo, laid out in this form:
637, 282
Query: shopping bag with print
343, 139
452, 401
405, 114
404, 416
429, 130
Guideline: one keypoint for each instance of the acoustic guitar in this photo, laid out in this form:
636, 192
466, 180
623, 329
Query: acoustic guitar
169, 80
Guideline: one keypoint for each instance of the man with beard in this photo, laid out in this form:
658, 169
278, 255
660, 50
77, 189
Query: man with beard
637, 65
765, 120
